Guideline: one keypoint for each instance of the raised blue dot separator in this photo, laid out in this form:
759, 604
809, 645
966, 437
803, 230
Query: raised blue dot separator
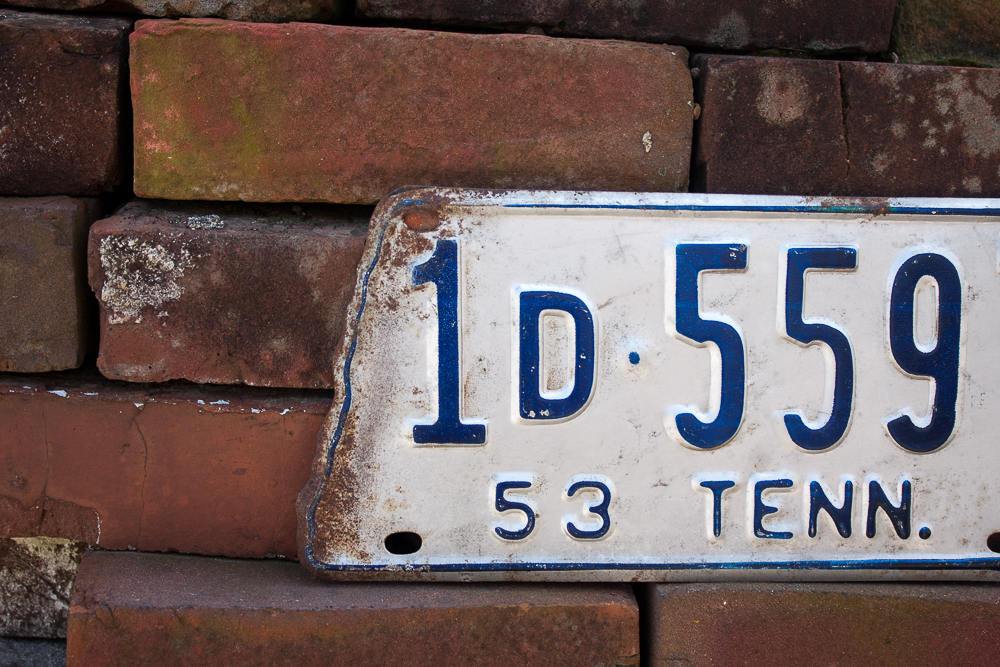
633, 358
924, 533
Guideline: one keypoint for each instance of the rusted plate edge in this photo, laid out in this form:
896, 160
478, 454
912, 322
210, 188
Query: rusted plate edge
420, 208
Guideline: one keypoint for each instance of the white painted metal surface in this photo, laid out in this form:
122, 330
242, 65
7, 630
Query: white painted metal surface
670, 465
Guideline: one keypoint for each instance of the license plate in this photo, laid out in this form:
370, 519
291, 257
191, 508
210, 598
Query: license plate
652, 387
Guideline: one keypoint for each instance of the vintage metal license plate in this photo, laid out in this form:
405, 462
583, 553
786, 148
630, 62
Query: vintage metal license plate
639, 387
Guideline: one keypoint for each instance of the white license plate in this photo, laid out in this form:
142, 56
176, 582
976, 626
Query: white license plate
625, 387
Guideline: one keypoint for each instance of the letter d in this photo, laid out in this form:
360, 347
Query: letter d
532, 404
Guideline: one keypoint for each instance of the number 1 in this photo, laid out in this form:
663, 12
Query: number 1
442, 270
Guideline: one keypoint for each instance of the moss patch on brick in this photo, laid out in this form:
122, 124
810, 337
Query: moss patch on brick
948, 32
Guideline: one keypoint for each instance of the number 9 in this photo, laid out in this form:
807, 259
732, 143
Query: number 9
941, 363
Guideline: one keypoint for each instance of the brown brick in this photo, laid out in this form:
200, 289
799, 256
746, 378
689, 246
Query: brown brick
135, 609
36, 575
787, 126
173, 468
817, 25
916, 130
796, 624
239, 10
342, 114
61, 87
43, 285
769, 126
948, 32
224, 295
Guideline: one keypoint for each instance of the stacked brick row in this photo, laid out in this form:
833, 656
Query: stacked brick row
182, 208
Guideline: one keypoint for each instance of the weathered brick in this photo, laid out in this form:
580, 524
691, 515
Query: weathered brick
343, 114
796, 624
164, 468
33, 652
818, 25
768, 126
948, 32
224, 295
786, 126
43, 284
61, 88
238, 10
916, 130
36, 575
135, 609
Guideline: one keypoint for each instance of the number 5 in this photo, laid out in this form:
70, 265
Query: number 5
692, 259
502, 505
801, 260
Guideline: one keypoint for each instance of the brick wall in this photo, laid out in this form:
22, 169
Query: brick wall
184, 189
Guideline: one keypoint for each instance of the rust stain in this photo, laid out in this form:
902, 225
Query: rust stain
422, 219
874, 206
337, 513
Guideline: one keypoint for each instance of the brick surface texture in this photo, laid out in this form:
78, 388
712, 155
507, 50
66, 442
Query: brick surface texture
36, 575
239, 10
948, 32
339, 114
44, 298
819, 25
134, 609
210, 294
183, 208
33, 652
61, 90
807, 127
796, 624
155, 468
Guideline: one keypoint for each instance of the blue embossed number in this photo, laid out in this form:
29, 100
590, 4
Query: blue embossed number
504, 505
801, 260
442, 270
601, 510
692, 259
940, 363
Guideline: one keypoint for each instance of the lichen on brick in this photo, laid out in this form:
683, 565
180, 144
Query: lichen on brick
139, 275
210, 221
36, 575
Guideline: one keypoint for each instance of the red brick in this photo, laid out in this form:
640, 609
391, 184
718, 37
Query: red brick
243, 10
224, 295
61, 89
786, 126
43, 285
817, 25
166, 468
132, 609
342, 114
845, 624
948, 32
